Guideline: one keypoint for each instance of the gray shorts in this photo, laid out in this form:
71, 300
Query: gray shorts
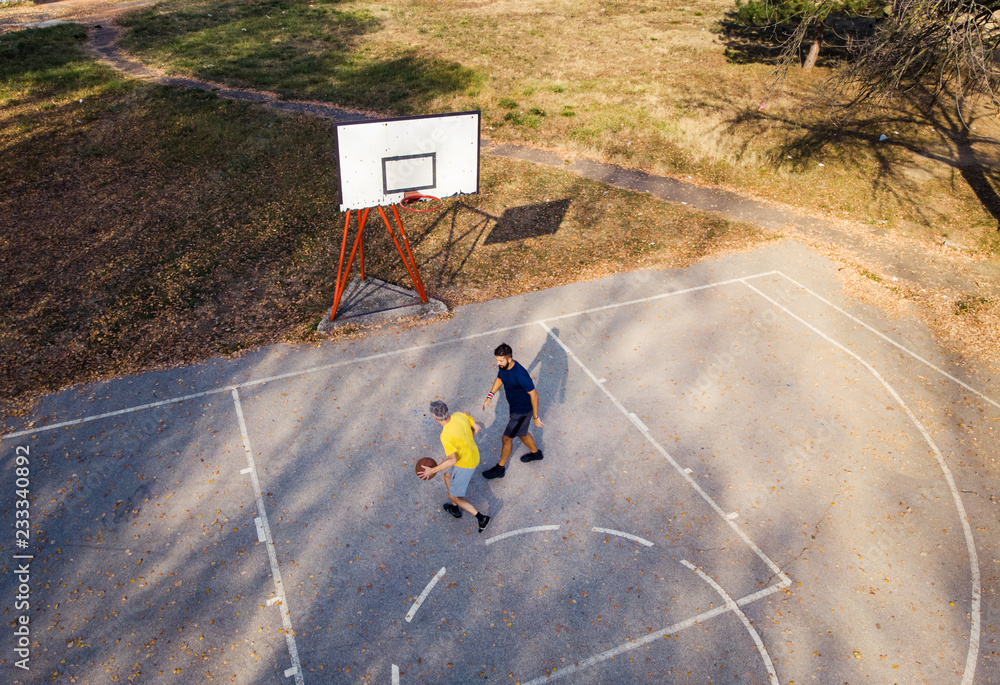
517, 425
459, 480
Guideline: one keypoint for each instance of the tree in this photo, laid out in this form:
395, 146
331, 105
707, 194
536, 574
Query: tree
807, 19
950, 46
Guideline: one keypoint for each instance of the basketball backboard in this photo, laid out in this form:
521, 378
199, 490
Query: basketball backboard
379, 161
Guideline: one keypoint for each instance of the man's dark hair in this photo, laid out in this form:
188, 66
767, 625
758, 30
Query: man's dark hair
503, 351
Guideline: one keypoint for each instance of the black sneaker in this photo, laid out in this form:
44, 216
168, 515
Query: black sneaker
483, 521
495, 472
532, 456
453, 509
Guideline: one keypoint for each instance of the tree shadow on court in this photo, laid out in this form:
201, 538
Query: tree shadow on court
357, 537
121, 536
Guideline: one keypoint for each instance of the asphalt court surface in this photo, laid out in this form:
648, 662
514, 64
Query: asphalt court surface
741, 484
148, 563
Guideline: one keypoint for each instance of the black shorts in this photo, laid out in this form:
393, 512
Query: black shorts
517, 425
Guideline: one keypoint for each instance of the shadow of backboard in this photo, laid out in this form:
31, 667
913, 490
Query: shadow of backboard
530, 221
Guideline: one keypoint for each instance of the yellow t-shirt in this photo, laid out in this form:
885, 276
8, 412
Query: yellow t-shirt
457, 438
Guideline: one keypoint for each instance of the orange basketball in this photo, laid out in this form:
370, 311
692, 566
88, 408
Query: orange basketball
422, 462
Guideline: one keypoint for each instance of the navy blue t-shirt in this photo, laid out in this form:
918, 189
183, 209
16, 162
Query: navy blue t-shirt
517, 384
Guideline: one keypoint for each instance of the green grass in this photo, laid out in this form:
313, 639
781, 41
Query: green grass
297, 50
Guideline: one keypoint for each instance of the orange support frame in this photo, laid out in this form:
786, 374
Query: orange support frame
359, 249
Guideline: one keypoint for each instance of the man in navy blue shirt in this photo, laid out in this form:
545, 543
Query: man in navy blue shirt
523, 401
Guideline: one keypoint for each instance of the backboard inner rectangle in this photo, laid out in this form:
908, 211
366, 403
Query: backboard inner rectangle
409, 172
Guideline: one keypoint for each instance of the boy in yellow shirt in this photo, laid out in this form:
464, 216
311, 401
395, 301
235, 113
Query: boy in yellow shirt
458, 437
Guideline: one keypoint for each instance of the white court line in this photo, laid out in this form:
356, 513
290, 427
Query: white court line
637, 421
263, 525
259, 381
395, 674
760, 594
660, 296
96, 417
619, 533
423, 595
734, 607
893, 342
358, 360
973, 655
704, 495
520, 531
649, 637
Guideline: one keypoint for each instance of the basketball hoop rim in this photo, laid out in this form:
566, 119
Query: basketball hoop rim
416, 197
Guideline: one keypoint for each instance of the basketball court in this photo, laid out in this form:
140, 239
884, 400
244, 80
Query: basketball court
747, 479
732, 492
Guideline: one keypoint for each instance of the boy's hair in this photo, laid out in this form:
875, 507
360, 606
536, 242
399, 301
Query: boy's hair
439, 410
503, 350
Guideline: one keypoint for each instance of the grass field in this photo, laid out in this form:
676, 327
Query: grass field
148, 227
656, 85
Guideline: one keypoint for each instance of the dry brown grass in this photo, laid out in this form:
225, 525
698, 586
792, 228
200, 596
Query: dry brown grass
25, 12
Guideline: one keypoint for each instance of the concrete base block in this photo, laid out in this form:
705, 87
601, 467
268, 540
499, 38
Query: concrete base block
374, 302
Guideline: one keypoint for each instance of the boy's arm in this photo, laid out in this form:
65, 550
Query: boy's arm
476, 427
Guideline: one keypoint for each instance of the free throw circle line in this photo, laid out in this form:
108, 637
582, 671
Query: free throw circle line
619, 533
520, 531
649, 637
734, 607
423, 595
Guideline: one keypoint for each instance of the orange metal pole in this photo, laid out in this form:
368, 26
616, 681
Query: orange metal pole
417, 281
341, 276
340, 268
361, 255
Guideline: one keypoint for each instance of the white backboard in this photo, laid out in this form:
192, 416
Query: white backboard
379, 161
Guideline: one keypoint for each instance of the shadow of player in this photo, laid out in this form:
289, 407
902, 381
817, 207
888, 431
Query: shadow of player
553, 371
